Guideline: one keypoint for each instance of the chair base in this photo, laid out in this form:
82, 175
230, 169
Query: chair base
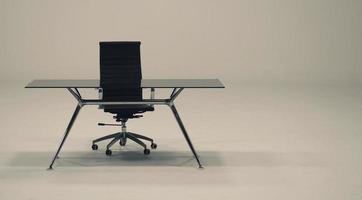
122, 138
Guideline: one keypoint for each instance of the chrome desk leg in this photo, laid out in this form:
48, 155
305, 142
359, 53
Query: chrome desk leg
67, 130
173, 108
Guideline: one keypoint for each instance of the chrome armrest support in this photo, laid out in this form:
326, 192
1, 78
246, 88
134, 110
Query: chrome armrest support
100, 97
152, 96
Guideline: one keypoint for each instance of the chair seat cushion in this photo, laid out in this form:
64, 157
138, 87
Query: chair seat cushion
117, 109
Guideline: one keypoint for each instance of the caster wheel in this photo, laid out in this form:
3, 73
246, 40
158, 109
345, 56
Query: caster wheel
122, 142
153, 145
146, 151
108, 152
94, 147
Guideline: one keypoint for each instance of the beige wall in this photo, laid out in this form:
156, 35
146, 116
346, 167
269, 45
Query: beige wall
316, 41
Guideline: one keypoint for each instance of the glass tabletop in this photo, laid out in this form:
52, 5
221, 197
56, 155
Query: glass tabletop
145, 83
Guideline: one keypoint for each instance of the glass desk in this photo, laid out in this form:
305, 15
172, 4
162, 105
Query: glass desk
178, 85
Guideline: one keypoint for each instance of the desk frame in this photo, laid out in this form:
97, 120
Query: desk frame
83, 102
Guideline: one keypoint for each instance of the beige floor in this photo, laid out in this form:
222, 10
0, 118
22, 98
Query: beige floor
256, 142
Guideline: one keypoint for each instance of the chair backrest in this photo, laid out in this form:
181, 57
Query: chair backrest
120, 71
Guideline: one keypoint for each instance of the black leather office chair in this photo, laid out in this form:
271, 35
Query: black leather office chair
120, 80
